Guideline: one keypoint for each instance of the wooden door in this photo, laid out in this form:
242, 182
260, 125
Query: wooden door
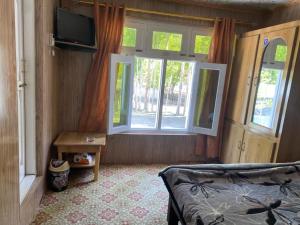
241, 78
270, 79
231, 148
257, 148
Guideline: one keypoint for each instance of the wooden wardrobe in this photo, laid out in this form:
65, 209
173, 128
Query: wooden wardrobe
263, 115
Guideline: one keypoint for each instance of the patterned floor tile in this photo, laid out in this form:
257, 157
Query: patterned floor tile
123, 195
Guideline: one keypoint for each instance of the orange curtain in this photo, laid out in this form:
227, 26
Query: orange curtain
220, 51
109, 21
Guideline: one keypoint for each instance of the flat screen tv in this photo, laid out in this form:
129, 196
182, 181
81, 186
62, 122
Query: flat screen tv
75, 28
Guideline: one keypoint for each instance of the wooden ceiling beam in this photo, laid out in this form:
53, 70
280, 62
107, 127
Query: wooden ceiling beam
229, 8
175, 15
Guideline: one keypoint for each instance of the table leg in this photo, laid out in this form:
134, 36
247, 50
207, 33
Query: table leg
59, 155
97, 165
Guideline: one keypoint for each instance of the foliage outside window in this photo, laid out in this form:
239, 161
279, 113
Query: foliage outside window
281, 53
176, 94
129, 37
202, 44
166, 41
146, 92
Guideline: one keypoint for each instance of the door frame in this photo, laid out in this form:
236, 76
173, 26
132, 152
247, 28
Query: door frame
25, 62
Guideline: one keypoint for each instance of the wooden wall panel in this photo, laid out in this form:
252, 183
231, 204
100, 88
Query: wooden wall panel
283, 15
73, 70
47, 84
290, 128
9, 153
141, 148
191, 10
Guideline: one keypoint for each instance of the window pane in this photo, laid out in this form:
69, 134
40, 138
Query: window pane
202, 44
281, 52
206, 98
166, 41
129, 37
266, 98
176, 94
146, 92
121, 94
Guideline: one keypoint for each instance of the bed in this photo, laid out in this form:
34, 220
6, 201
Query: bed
231, 194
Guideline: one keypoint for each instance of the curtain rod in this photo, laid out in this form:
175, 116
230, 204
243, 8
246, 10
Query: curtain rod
152, 12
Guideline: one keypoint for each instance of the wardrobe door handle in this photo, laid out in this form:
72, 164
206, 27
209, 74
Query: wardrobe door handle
243, 146
240, 145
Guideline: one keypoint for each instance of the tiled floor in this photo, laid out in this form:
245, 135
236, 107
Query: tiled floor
123, 195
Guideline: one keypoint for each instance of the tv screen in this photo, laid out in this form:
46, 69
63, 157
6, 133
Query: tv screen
74, 28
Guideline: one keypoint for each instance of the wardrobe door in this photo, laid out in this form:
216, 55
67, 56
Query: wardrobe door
271, 73
241, 78
257, 148
233, 137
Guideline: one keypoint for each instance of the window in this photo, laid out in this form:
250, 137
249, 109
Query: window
25, 70
129, 37
280, 53
120, 93
160, 94
161, 84
178, 79
166, 41
147, 78
202, 44
207, 92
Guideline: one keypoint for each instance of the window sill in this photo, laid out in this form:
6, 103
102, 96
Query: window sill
25, 186
159, 133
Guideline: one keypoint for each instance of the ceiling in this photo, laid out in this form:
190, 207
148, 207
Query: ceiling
240, 4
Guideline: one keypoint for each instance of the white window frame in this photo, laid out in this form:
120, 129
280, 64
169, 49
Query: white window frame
114, 59
189, 127
25, 57
140, 33
163, 27
162, 89
144, 49
19, 27
218, 102
158, 127
144, 40
194, 32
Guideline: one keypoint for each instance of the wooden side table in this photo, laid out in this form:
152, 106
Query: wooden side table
76, 142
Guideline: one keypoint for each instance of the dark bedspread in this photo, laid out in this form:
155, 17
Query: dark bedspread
235, 194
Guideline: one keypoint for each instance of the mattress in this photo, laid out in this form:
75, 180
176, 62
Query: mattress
235, 194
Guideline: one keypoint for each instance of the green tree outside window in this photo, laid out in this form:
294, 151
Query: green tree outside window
166, 41
129, 37
202, 44
281, 53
